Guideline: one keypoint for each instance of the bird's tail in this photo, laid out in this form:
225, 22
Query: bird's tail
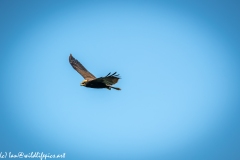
109, 87
116, 88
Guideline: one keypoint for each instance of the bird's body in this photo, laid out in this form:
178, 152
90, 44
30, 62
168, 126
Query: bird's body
95, 85
90, 80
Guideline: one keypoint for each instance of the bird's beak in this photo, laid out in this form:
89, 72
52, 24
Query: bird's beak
83, 83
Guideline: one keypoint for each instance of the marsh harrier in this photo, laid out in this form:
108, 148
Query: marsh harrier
90, 80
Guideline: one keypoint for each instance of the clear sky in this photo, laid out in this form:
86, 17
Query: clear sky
179, 63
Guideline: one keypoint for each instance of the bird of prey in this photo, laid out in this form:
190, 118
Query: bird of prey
90, 80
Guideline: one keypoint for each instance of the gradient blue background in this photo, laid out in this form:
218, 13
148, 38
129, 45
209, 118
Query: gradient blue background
179, 63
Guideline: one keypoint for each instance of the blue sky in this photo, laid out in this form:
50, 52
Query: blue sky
179, 63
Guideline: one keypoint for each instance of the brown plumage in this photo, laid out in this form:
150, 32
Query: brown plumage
90, 80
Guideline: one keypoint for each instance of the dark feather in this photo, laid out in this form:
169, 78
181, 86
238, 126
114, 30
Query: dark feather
80, 68
110, 79
108, 74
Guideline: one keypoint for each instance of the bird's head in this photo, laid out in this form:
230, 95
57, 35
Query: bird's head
83, 83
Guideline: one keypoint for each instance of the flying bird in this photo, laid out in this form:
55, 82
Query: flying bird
90, 80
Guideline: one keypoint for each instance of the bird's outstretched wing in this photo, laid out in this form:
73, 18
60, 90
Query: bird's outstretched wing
109, 79
80, 68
